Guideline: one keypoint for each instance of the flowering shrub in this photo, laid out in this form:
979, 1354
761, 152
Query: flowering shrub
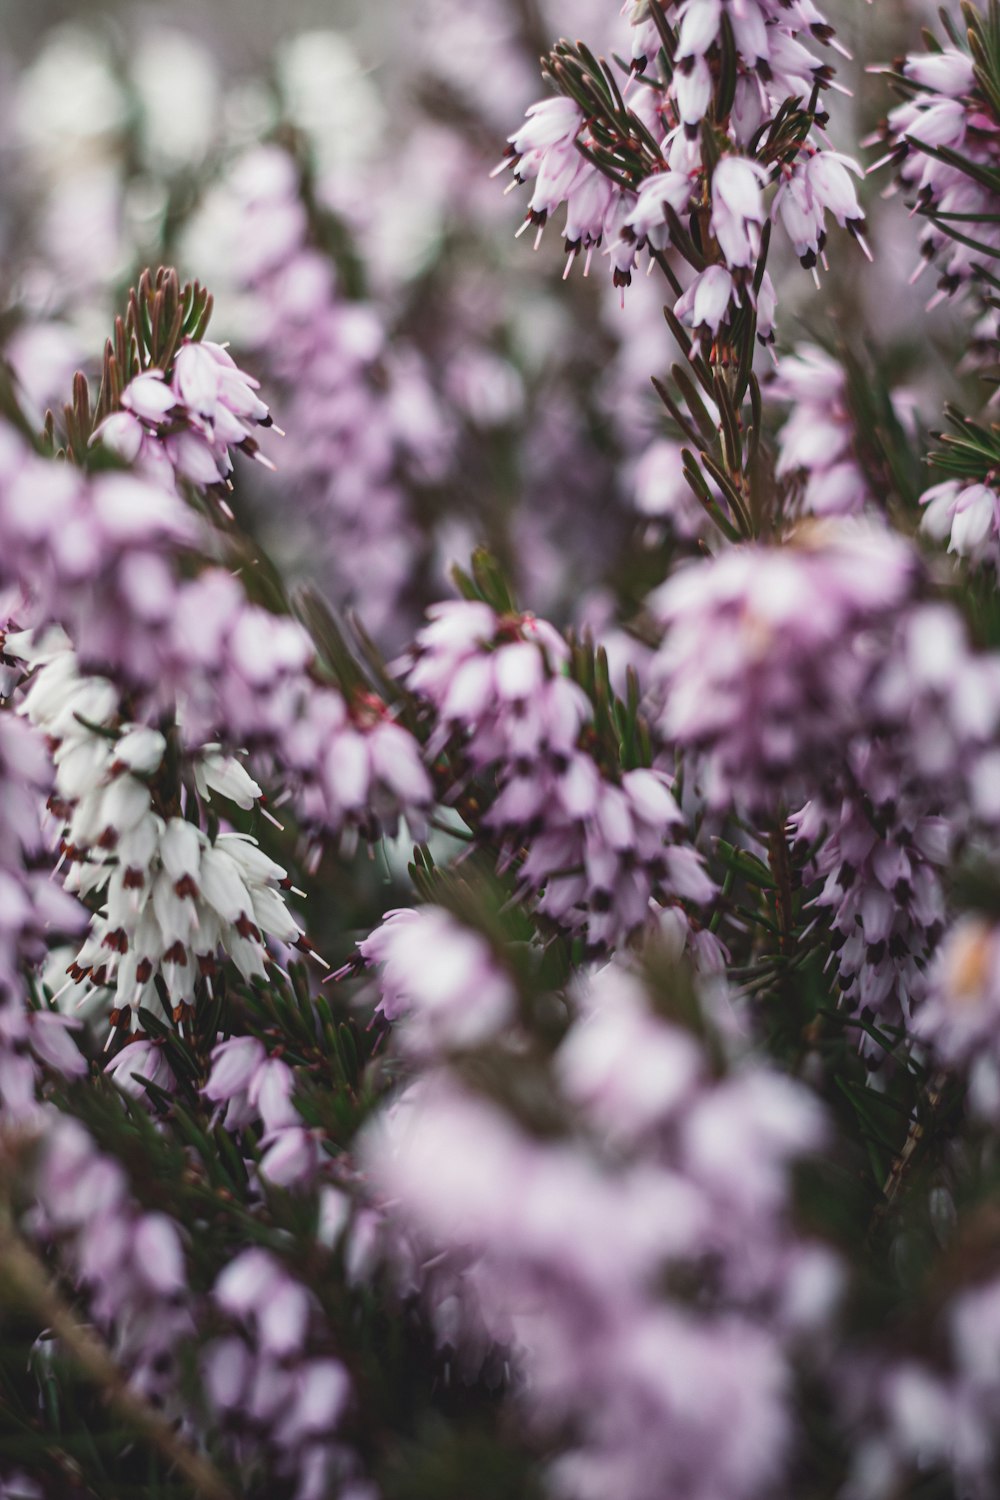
500, 762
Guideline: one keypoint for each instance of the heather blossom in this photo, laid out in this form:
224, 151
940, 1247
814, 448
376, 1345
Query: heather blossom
879, 856
941, 139
439, 980
564, 1255
185, 427
630, 169
601, 855
967, 516
262, 1377
132, 1262
170, 896
251, 1088
765, 658
650, 1148
816, 443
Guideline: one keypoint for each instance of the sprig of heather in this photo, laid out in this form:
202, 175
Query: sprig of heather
183, 427
723, 103
169, 897
963, 509
942, 144
600, 845
171, 403
879, 857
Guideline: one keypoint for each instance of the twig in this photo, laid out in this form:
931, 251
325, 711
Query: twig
902, 1162
781, 869
27, 1278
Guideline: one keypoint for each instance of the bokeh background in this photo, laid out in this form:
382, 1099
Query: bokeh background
505, 405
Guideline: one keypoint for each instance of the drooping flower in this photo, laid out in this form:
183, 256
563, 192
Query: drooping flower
600, 853
185, 428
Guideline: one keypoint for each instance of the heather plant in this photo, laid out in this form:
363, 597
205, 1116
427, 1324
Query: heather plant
500, 755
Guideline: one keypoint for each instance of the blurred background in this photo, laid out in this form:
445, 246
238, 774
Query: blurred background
325, 169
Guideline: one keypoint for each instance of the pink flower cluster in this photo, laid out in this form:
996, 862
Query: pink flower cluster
273, 1394
769, 653
637, 207
184, 428
563, 1245
816, 444
250, 1088
880, 857
948, 113
131, 1262
602, 854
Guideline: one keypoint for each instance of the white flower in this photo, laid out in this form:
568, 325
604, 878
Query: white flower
706, 301
738, 209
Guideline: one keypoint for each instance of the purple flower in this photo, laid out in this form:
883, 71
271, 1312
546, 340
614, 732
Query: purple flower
817, 440
765, 661
186, 427
558, 1247
440, 980
599, 854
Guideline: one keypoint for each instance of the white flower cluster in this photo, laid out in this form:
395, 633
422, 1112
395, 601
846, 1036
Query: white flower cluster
169, 898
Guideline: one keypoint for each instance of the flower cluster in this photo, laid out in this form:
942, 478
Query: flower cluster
879, 856
601, 853
246, 676
267, 1388
440, 984
170, 898
631, 170
940, 141
908, 795
566, 1243
768, 654
815, 446
269, 1394
183, 428
93, 553
967, 516
132, 1263
249, 1087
